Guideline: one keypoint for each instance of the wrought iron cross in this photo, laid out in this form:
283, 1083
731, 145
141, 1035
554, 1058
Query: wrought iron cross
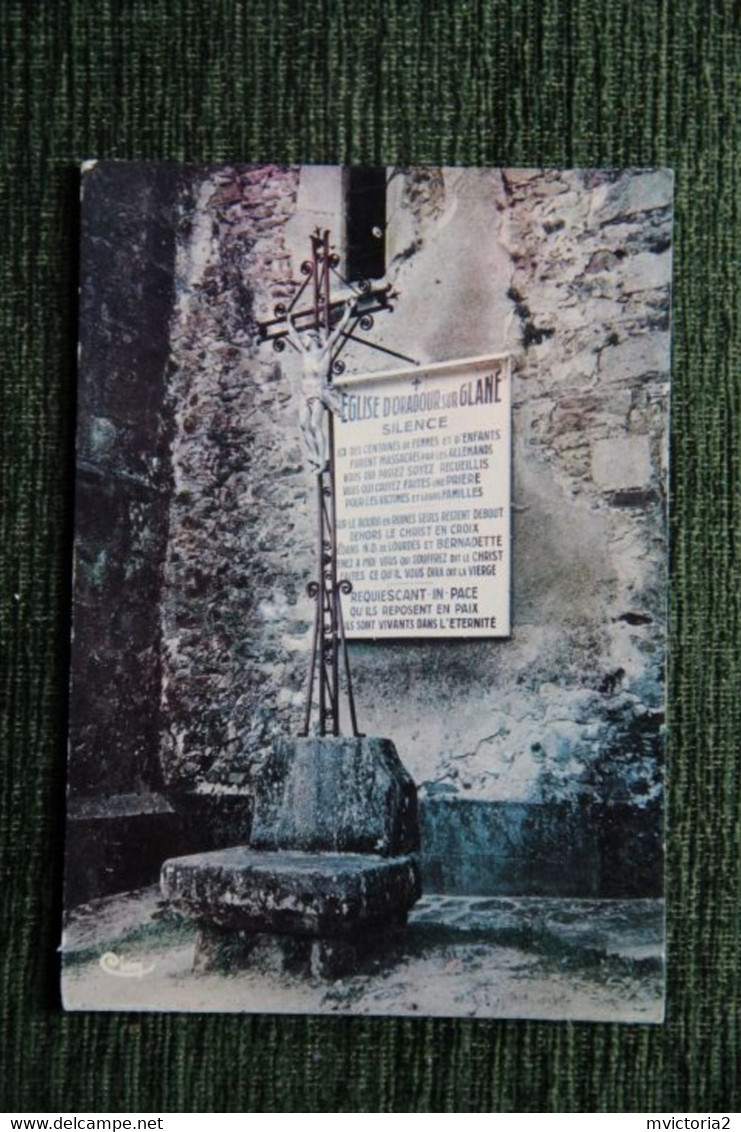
332, 323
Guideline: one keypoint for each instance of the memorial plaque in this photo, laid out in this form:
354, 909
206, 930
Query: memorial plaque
423, 500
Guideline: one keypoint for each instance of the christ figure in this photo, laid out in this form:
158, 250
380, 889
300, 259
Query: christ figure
319, 396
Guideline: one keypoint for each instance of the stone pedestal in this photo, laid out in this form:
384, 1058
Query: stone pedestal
335, 795
331, 868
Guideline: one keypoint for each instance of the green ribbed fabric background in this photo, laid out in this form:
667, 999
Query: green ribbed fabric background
523, 82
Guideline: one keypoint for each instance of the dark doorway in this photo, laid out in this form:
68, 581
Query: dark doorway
365, 218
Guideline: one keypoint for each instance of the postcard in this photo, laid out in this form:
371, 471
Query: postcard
369, 626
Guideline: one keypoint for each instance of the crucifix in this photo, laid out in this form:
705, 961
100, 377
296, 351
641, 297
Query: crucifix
318, 330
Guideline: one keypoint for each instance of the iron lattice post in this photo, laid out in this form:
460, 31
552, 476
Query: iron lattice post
329, 634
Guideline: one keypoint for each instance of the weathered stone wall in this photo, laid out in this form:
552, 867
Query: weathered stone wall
239, 546
571, 272
590, 287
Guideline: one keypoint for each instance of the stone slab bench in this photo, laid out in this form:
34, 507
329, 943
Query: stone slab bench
332, 894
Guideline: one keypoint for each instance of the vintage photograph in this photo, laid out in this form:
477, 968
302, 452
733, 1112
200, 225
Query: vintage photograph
370, 583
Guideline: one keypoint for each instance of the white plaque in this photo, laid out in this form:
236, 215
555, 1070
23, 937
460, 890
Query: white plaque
422, 463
